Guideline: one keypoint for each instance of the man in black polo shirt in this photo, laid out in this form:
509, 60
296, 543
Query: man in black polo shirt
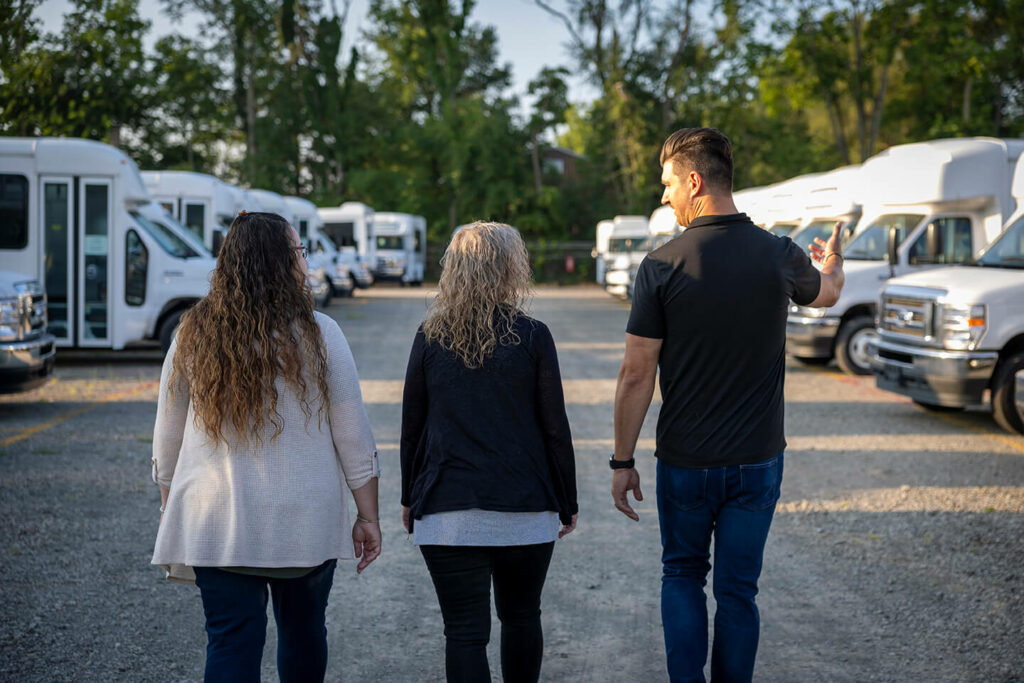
709, 310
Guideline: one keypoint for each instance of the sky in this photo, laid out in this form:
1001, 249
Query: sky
529, 38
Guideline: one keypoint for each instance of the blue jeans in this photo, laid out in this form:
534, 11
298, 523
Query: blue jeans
736, 504
236, 623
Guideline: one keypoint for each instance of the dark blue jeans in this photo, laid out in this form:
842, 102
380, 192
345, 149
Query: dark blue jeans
236, 623
736, 504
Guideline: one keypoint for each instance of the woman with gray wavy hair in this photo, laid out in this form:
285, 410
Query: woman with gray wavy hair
488, 471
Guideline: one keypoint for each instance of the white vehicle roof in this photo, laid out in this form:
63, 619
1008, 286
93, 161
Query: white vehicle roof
392, 223
834, 194
346, 210
74, 156
1017, 189
604, 233
663, 221
303, 209
941, 171
629, 226
271, 202
785, 202
751, 202
186, 184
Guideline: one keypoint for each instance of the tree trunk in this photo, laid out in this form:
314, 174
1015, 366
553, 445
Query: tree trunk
250, 115
876, 110
535, 157
858, 80
835, 117
115, 135
965, 114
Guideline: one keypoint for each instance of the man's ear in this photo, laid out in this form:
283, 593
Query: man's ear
695, 183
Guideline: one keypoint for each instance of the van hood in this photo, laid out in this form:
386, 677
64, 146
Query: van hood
967, 284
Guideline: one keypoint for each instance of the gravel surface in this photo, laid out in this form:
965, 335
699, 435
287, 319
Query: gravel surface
896, 553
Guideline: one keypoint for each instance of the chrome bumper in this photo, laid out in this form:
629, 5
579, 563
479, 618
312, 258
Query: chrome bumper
811, 337
26, 364
936, 376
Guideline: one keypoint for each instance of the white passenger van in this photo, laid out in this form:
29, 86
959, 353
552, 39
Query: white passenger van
939, 202
828, 198
602, 237
350, 227
117, 269
401, 247
945, 336
626, 245
781, 206
202, 203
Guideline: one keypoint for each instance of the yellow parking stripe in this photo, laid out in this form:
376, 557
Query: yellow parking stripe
76, 412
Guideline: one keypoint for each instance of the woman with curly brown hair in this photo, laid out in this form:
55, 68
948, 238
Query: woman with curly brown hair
488, 471
260, 425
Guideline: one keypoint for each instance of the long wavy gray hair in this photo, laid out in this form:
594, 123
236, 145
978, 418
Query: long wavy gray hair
484, 286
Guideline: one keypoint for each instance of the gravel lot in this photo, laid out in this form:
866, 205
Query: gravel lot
896, 553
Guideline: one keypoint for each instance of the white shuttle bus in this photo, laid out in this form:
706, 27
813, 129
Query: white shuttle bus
401, 247
602, 239
269, 202
202, 203
350, 227
939, 202
627, 247
828, 198
116, 267
306, 222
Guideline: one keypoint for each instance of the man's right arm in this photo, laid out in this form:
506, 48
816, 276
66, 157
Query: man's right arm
830, 255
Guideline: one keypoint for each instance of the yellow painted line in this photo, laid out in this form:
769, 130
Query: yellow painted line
76, 412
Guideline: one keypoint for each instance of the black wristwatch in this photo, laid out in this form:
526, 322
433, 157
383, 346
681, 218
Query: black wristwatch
621, 464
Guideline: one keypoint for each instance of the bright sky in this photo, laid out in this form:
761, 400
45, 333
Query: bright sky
528, 36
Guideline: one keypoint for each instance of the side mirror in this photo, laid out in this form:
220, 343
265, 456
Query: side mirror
933, 242
894, 243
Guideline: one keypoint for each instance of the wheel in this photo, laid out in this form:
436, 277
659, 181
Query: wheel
809, 360
936, 408
169, 329
1004, 386
852, 345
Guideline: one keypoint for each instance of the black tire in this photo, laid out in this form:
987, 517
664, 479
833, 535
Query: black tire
936, 408
1004, 408
808, 360
851, 345
168, 329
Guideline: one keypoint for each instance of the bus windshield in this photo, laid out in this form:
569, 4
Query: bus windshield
168, 240
1008, 249
872, 244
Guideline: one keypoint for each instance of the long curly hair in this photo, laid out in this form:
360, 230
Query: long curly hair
254, 326
484, 286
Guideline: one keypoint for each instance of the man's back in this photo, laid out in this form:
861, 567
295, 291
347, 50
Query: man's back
718, 297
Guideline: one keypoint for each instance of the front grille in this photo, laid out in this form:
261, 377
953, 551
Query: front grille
907, 316
35, 311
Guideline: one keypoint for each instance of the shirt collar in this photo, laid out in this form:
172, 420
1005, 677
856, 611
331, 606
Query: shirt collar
720, 219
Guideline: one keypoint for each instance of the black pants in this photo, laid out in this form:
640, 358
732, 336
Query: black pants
462, 578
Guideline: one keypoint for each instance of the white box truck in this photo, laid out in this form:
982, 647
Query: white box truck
117, 269
626, 245
946, 336
202, 203
350, 227
401, 247
940, 202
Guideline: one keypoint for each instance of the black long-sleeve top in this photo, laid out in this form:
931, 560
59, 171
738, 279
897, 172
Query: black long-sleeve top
492, 438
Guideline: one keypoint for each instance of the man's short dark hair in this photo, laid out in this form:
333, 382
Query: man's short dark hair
704, 150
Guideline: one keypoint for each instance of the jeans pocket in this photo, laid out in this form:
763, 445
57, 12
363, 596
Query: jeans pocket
684, 489
760, 484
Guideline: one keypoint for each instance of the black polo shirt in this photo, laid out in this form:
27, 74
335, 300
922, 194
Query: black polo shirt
718, 296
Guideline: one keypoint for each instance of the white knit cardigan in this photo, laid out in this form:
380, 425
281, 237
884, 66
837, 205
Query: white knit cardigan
281, 505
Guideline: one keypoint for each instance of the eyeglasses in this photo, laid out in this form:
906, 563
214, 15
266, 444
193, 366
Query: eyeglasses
304, 251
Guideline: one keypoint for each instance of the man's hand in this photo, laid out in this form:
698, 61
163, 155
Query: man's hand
820, 249
366, 542
622, 482
405, 518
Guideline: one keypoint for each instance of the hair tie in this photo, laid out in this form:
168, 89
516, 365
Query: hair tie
242, 212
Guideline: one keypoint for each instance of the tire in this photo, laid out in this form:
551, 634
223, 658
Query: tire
936, 408
1004, 408
168, 329
851, 345
809, 360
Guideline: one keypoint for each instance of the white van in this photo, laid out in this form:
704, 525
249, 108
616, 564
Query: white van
940, 202
401, 247
751, 201
781, 206
627, 246
306, 222
350, 227
202, 203
26, 350
945, 336
828, 198
602, 239
117, 269
269, 202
